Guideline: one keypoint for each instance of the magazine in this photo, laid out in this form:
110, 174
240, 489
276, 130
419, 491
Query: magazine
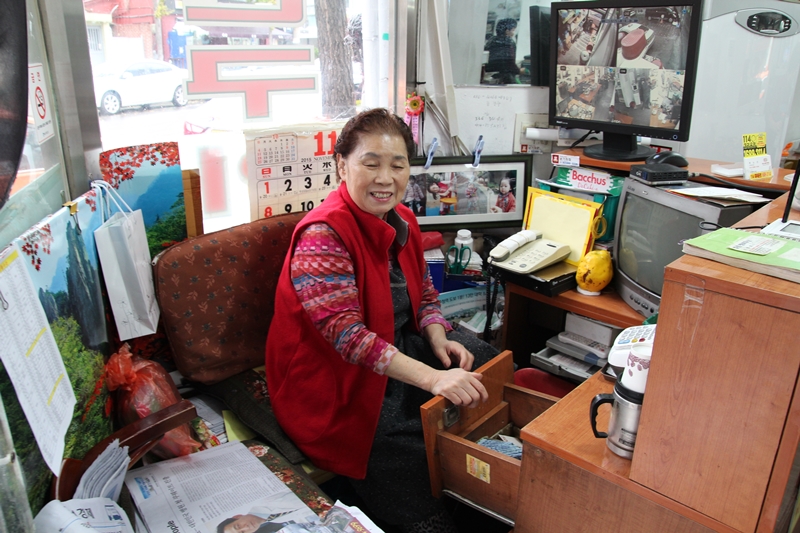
224, 488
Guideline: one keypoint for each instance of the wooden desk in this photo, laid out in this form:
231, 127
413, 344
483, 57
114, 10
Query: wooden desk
571, 481
717, 447
698, 166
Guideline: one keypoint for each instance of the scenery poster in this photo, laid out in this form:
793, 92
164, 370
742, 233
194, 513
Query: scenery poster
62, 259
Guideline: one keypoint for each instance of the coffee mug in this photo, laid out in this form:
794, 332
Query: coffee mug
637, 367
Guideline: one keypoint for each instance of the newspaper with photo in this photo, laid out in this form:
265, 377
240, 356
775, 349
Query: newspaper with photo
226, 488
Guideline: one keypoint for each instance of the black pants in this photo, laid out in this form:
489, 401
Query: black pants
397, 488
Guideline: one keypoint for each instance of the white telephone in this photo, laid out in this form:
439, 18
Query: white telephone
526, 251
618, 354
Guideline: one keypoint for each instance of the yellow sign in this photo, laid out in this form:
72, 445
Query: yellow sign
754, 144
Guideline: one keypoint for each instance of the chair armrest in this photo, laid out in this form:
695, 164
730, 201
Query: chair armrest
139, 436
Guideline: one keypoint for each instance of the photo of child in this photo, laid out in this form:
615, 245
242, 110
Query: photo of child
414, 198
447, 199
506, 202
464, 193
432, 202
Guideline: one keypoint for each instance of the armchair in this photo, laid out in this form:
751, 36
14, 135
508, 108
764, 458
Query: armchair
216, 294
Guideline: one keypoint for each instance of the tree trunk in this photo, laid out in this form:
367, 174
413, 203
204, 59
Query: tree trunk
335, 58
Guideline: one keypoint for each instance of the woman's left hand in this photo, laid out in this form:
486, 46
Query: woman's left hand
449, 352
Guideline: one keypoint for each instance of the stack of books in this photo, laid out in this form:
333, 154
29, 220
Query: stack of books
758, 252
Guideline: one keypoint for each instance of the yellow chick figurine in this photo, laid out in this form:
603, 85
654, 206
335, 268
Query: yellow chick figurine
594, 272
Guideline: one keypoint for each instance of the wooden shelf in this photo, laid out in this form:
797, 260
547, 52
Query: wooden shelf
608, 307
699, 166
718, 437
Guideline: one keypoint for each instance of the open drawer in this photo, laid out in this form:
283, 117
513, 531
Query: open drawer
482, 477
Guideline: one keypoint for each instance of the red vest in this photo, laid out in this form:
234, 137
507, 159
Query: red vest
327, 406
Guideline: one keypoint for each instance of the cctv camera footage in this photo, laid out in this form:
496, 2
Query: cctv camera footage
622, 65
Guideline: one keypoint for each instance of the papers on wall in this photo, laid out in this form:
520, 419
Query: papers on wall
32, 359
83, 515
290, 169
198, 492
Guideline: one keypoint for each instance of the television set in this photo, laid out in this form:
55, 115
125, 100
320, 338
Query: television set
652, 224
625, 68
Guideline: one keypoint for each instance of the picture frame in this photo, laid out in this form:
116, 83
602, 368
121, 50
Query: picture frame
459, 194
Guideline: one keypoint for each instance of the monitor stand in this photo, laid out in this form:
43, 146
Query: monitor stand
619, 147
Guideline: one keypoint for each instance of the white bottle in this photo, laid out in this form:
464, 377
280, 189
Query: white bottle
464, 238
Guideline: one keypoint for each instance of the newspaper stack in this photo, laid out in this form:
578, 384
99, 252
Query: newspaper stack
211, 489
210, 410
105, 476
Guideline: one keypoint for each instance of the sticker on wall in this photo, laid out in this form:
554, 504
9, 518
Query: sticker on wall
479, 469
39, 103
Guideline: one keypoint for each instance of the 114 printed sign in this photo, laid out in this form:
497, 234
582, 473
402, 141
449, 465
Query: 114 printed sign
290, 169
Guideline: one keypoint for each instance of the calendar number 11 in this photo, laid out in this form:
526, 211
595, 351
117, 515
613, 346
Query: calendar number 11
320, 138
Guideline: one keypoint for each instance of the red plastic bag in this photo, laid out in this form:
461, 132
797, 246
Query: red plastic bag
145, 388
431, 239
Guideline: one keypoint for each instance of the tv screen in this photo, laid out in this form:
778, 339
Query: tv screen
625, 68
651, 237
652, 224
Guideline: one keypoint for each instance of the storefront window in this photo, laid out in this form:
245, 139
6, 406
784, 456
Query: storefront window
201, 72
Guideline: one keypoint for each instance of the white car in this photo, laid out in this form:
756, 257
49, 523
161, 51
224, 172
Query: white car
141, 83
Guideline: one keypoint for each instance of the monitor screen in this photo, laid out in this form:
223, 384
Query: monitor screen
625, 68
650, 237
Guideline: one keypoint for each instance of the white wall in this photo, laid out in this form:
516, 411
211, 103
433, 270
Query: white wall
490, 110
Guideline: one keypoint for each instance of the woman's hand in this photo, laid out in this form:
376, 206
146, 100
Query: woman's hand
447, 351
460, 387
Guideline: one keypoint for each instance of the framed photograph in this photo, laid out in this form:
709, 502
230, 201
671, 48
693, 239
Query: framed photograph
453, 192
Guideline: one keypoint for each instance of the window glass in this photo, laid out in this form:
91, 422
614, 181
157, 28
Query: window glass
40, 180
201, 67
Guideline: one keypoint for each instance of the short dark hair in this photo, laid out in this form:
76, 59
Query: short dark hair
221, 525
503, 25
378, 120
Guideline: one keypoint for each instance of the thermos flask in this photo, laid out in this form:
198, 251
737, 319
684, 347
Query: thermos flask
626, 406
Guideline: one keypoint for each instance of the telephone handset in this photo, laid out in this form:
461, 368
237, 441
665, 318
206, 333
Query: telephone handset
511, 244
527, 251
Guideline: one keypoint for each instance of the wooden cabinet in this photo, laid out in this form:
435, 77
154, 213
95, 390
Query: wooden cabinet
716, 413
717, 448
571, 482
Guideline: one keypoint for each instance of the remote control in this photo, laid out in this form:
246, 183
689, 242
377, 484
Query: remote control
600, 350
628, 337
636, 334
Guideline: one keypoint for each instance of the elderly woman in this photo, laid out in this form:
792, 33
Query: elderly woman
358, 341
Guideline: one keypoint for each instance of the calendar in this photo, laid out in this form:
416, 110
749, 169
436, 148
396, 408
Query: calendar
290, 169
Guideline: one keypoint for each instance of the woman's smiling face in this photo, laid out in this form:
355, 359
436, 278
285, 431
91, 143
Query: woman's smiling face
376, 172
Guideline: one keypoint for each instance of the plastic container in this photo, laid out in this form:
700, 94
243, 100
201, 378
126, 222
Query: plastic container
464, 238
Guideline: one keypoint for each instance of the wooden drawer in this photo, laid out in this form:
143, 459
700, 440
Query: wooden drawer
484, 477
